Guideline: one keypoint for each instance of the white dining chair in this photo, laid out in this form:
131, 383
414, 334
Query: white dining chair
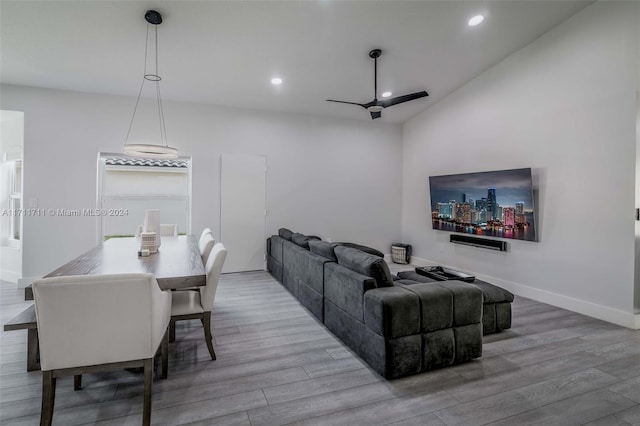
95, 323
205, 245
168, 230
206, 231
197, 304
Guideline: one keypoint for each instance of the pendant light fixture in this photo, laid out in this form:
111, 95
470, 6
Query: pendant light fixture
162, 149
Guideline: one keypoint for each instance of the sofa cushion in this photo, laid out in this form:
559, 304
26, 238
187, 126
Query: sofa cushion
493, 293
438, 349
436, 304
365, 264
323, 248
468, 342
362, 248
285, 233
302, 240
467, 302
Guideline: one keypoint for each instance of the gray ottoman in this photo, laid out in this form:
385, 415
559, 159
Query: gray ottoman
496, 308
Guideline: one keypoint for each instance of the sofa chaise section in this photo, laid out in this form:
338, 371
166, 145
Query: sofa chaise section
402, 329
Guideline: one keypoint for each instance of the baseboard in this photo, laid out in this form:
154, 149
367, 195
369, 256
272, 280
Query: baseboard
605, 313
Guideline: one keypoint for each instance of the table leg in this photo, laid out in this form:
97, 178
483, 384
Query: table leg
33, 350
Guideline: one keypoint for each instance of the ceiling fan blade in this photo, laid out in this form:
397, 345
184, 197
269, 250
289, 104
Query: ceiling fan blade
375, 115
345, 102
400, 99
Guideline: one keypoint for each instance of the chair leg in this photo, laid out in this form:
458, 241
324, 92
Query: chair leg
33, 350
164, 353
48, 398
172, 330
148, 383
207, 334
77, 382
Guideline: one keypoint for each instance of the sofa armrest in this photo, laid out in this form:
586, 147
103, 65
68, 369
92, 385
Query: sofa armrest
392, 312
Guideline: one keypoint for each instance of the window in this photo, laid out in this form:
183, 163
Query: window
127, 187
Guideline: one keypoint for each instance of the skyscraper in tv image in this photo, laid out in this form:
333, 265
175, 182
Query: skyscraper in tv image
491, 204
497, 204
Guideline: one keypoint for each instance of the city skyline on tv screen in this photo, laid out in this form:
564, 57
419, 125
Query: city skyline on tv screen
497, 203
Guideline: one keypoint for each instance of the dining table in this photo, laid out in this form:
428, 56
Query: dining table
177, 264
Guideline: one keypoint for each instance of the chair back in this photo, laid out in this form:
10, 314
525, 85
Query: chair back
213, 268
168, 230
206, 231
205, 245
99, 319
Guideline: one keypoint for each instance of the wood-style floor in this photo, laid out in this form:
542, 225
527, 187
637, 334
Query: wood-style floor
277, 365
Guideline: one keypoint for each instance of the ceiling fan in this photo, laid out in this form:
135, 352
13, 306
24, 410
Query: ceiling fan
375, 107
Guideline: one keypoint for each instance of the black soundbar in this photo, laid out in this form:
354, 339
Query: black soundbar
478, 242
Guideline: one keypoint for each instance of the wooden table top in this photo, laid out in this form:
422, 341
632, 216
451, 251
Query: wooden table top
177, 264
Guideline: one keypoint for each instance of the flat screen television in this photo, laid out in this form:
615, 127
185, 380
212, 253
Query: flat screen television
494, 204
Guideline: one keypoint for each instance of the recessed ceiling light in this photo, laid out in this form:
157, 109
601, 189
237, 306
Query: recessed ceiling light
386, 94
276, 81
476, 20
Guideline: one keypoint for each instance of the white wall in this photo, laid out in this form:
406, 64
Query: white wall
564, 105
334, 178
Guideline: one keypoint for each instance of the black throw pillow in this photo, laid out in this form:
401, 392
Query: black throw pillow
365, 264
324, 249
362, 248
285, 233
302, 240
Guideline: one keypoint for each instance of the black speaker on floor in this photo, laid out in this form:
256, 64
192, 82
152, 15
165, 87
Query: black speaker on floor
478, 242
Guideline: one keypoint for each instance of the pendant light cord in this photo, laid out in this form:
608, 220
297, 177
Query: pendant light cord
163, 130
151, 77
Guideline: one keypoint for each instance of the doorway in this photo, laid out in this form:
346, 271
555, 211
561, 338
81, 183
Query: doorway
11, 201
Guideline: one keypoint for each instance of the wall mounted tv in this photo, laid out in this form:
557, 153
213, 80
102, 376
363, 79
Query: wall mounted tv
493, 204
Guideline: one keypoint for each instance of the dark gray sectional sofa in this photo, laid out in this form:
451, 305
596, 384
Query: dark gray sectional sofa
398, 327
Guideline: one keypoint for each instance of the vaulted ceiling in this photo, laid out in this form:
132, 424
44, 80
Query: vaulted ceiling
226, 52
